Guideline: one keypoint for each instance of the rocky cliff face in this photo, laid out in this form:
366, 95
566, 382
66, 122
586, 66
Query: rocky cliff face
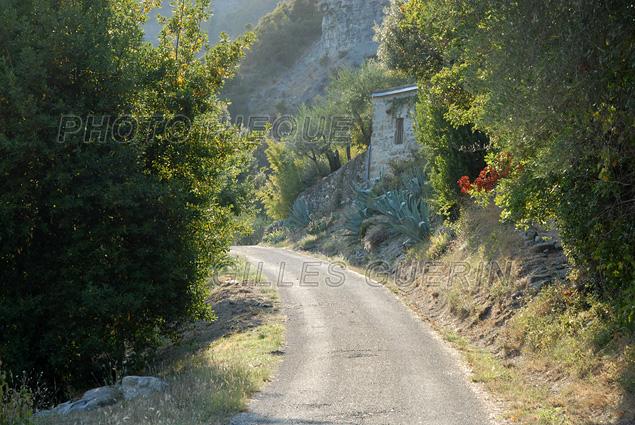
348, 24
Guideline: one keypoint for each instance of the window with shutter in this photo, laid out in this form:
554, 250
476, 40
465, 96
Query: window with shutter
399, 131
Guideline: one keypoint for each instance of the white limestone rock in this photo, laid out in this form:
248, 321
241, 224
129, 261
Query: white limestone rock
136, 386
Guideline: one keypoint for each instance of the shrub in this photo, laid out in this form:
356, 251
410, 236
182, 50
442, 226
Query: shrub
299, 215
277, 225
16, 405
375, 236
276, 236
320, 225
107, 246
555, 86
284, 183
450, 152
438, 244
258, 225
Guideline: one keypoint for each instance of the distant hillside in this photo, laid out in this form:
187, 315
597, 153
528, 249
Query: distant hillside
229, 16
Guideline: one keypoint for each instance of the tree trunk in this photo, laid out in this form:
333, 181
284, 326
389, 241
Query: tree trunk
334, 160
313, 158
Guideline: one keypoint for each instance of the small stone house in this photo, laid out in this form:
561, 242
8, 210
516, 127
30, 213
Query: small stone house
393, 137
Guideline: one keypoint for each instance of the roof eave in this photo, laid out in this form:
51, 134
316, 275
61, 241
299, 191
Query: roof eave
397, 90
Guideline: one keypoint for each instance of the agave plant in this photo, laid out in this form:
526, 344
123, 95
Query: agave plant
276, 236
414, 181
404, 213
356, 214
364, 198
390, 203
299, 215
413, 220
353, 219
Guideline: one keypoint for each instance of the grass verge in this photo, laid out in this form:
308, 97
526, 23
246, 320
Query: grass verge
527, 399
555, 355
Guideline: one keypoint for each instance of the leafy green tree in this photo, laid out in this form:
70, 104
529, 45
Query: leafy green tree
343, 117
404, 45
454, 147
553, 85
284, 183
113, 156
348, 95
419, 38
558, 92
316, 137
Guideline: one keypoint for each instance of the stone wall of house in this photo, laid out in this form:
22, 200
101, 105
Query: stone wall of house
335, 190
384, 151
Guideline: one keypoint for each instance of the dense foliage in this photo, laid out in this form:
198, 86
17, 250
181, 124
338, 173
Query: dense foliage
551, 83
417, 47
453, 151
348, 102
110, 227
284, 181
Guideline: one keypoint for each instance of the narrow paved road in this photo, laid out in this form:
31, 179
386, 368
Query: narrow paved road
354, 354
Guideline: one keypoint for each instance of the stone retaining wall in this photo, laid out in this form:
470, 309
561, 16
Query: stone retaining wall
335, 190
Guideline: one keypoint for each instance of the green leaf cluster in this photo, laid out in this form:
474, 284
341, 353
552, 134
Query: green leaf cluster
284, 182
107, 237
552, 83
417, 39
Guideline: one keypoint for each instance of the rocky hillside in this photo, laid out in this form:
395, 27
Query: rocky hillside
347, 38
348, 26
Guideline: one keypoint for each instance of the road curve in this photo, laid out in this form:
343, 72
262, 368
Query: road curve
354, 354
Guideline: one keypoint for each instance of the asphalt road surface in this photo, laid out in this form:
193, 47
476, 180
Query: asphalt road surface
354, 354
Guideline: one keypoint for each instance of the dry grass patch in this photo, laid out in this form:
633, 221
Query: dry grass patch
556, 357
527, 400
207, 387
